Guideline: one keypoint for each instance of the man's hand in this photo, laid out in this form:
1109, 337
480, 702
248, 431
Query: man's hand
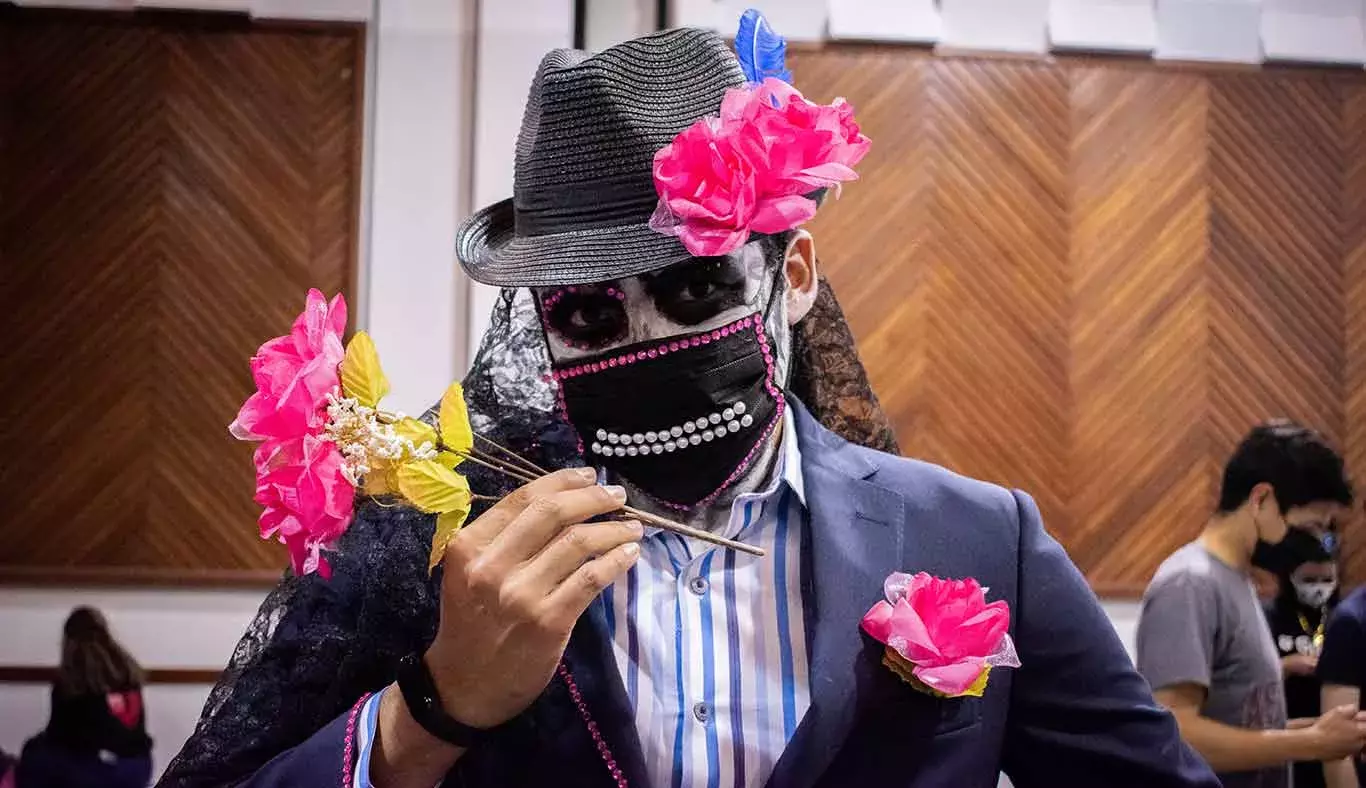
1299, 665
516, 581
1338, 733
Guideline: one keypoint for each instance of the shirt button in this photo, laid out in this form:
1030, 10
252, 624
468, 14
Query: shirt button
702, 712
699, 585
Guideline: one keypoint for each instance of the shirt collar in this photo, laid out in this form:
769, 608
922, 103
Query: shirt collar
790, 458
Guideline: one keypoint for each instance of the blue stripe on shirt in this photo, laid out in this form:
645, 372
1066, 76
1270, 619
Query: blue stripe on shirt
709, 679
737, 717
365, 739
632, 640
680, 717
784, 626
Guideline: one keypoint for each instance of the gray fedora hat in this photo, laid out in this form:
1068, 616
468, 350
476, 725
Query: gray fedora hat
583, 189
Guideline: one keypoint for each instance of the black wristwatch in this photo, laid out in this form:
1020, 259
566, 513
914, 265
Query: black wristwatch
419, 692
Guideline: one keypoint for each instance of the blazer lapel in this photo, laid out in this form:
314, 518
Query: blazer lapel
593, 667
855, 541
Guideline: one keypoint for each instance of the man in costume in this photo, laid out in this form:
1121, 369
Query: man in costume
662, 320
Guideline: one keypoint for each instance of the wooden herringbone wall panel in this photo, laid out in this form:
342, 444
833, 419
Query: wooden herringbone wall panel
880, 226
1354, 293
174, 191
1276, 267
1139, 463
79, 236
997, 400
1099, 275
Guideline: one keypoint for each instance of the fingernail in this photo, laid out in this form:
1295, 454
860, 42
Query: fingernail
617, 492
631, 548
588, 474
634, 526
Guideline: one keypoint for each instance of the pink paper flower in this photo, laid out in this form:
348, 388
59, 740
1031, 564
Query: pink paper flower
945, 630
753, 167
294, 374
307, 502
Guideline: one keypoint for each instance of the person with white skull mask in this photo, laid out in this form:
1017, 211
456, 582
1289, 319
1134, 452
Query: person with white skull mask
1307, 583
664, 340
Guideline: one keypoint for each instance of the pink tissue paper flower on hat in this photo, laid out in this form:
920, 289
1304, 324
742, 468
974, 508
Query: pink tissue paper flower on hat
753, 167
294, 374
942, 636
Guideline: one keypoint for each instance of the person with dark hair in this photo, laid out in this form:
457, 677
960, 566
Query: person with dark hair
97, 733
1203, 640
686, 358
1307, 590
1341, 671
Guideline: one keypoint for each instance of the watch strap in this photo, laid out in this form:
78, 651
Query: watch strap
418, 687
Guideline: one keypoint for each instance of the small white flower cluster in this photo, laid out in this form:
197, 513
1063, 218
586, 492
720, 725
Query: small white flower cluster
363, 438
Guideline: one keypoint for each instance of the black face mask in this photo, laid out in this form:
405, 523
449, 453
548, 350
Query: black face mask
1298, 547
681, 418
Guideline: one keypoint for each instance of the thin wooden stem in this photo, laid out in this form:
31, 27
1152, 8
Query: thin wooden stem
525, 471
516, 458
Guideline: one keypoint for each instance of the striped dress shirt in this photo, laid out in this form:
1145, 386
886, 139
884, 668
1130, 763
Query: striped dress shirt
711, 643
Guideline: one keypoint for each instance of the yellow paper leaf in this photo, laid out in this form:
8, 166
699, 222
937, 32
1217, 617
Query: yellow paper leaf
447, 524
416, 430
449, 459
362, 377
433, 488
381, 480
456, 433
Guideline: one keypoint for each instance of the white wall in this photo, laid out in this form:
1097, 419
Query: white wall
513, 37
418, 167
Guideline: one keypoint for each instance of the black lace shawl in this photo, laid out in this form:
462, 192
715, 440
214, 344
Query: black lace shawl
315, 647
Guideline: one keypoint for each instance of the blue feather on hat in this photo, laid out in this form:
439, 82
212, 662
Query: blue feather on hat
762, 52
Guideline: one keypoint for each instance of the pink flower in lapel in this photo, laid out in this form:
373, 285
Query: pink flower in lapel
942, 636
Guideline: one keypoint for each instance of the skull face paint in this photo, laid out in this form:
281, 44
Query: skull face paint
673, 379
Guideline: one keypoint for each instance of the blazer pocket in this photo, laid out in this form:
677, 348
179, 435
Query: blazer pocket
918, 713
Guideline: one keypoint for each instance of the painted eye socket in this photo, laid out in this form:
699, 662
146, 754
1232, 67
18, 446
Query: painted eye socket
699, 290
586, 318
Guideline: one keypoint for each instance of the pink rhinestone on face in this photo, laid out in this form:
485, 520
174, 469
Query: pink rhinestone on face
653, 354
673, 346
631, 358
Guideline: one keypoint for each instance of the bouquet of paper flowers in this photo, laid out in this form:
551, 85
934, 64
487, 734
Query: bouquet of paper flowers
324, 438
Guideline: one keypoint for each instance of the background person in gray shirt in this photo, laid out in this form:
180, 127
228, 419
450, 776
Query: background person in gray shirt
1203, 642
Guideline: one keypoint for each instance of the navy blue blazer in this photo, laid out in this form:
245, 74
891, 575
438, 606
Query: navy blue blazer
1075, 713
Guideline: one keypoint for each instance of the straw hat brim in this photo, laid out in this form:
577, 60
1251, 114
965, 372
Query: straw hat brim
492, 254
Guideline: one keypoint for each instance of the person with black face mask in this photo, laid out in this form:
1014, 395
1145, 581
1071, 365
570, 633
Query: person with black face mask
1306, 590
1203, 640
